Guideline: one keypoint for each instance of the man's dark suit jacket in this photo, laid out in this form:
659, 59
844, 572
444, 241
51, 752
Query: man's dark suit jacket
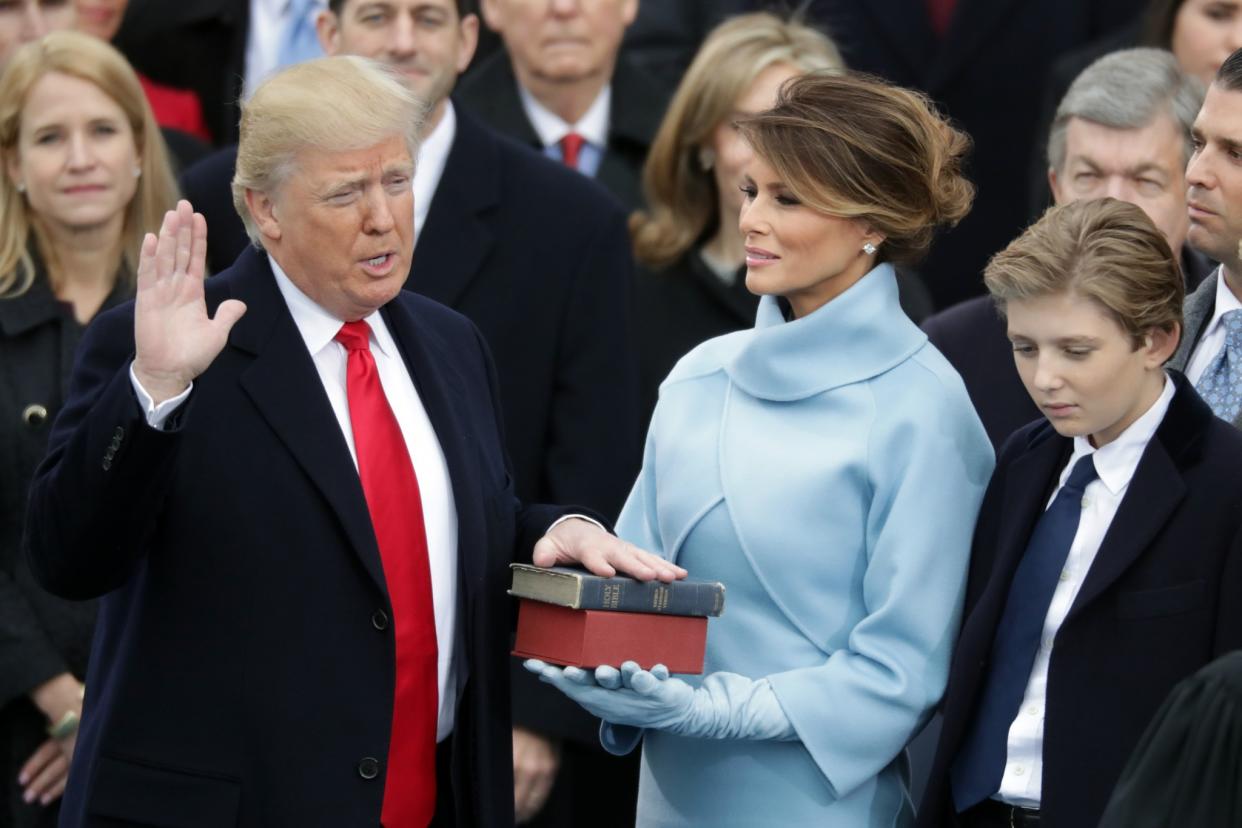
242, 668
192, 44
973, 337
987, 73
638, 101
1159, 602
538, 258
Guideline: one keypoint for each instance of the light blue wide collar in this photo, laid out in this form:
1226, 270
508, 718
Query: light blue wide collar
858, 335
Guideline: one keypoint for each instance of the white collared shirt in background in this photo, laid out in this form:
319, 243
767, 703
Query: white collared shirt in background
1023, 778
433, 154
551, 128
1214, 334
268, 20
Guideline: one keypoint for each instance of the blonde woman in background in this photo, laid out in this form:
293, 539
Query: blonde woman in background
85, 175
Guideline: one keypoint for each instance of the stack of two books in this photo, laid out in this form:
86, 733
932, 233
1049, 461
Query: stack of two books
568, 616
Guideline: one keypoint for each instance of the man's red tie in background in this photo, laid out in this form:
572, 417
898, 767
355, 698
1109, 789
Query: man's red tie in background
391, 489
571, 145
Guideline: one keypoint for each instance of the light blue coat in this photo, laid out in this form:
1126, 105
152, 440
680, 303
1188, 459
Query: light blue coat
832, 468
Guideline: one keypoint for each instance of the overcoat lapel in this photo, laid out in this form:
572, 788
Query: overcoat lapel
443, 397
1154, 493
457, 238
286, 389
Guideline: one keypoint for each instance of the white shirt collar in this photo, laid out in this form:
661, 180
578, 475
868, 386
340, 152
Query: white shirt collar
318, 327
1116, 462
1225, 302
550, 128
433, 155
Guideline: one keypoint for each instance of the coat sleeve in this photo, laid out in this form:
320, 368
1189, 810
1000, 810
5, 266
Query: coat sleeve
927, 470
95, 500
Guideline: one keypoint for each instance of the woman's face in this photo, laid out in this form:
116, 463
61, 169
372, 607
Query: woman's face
1205, 32
731, 152
76, 154
101, 18
793, 251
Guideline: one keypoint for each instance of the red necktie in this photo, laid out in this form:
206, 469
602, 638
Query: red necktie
571, 145
940, 13
391, 489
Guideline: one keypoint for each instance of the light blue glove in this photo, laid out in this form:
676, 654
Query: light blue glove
726, 706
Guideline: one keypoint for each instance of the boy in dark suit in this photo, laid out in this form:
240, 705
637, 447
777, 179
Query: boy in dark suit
1109, 545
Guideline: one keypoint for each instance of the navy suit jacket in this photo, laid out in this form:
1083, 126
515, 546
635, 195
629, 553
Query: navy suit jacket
1159, 602
238, 677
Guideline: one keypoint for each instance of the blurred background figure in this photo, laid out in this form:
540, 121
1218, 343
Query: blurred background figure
219, 49
692, 275
559, 86
1122, 130
22, 21
174, 108
1187, 768
85, 176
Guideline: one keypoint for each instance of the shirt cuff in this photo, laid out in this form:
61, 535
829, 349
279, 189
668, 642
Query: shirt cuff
157, 415
564, 518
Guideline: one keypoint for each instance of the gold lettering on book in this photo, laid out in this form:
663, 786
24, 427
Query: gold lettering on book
612, 596
659, 599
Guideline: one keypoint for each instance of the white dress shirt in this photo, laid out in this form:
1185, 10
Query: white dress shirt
1115, 462
318, 329
433, 154
268, 20
551, 128
1214, 334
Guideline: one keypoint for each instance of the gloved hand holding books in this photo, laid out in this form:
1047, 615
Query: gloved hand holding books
725, 706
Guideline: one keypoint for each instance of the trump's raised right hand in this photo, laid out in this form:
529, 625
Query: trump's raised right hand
174, 339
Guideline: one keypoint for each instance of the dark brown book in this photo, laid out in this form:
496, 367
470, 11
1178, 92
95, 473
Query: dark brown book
590, 638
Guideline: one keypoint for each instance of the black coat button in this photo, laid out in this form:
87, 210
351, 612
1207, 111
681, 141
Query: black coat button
368, 768
379, 619
34, 415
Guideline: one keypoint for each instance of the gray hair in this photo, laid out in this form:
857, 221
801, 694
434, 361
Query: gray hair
335, 104
1128, 89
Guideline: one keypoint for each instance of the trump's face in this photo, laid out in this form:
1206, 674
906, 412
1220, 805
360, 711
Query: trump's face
341, 225
425, 40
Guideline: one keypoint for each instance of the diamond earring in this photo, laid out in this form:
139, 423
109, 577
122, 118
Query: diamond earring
21, 186
707, 159
869, 249
137, 171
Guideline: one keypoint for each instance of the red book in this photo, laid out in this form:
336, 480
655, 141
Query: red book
589, 638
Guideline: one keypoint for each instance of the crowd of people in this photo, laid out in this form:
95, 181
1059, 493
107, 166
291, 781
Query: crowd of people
311, 310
